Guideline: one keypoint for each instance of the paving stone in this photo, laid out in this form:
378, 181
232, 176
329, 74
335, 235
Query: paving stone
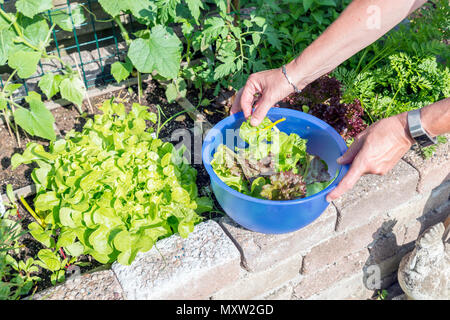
314, 282
385, 235
260, 251
344, 244
384, 267
100, 285
84, 59
250, 285
22, 192
416, 227
411, 210
110, 53
434, 170
410, 216
350, 288
191, 268
374, 194
284, 292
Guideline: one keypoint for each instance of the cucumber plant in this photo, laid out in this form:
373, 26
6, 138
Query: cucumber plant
24, 38
208, 49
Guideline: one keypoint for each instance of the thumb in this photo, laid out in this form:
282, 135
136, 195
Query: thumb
262, 107
351, 152
346, 183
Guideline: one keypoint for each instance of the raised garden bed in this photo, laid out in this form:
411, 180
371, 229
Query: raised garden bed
220, 259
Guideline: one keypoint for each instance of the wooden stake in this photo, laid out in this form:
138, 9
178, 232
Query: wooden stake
91, 109
7, 123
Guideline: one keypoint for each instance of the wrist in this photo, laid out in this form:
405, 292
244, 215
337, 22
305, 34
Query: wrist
403, 120
295, 73
427, 123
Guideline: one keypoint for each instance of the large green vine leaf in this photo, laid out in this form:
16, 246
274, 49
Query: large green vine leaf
49, 84
121, 70
6, 43
141, 9
68, 21
160, 52
38, 121
34, 30
25, 62
73, 90
30, 8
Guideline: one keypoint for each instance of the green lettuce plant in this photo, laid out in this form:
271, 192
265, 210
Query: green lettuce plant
113, 189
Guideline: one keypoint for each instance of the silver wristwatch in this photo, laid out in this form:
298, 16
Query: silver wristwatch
416, 130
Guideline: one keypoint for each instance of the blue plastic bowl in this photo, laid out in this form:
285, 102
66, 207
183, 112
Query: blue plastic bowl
269, 216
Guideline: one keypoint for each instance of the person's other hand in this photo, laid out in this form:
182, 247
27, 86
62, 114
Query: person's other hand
376, 150
263, 90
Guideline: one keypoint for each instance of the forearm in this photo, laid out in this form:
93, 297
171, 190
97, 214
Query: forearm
361, 23
435, 118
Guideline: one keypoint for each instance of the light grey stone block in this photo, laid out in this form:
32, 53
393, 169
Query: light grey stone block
251, 285
374, 195
191, 268
433, 171
261, 251
100, 285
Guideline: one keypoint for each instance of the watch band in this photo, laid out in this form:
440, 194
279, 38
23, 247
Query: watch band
416, 130
296, 90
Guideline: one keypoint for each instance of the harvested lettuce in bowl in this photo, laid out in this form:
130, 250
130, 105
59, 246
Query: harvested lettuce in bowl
273, 165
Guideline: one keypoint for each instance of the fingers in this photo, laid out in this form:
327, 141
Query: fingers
347, 182
236, 107
261, 109
248, 97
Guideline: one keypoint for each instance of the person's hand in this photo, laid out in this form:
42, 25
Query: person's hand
263, 90
376, 150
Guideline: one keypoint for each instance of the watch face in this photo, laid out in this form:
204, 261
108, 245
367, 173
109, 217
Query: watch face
424, 141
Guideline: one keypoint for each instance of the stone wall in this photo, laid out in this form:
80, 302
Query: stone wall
352, 250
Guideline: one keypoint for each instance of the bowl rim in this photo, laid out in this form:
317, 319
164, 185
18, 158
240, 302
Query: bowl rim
274, 111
